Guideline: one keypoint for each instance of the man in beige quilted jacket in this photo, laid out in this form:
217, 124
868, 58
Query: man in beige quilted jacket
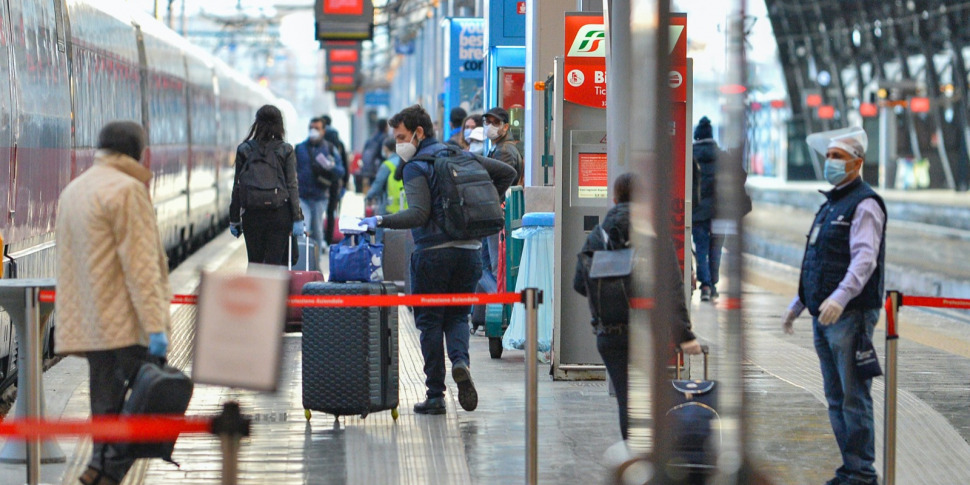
112, 280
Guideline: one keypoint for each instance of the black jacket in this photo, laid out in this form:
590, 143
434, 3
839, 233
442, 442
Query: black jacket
670, 285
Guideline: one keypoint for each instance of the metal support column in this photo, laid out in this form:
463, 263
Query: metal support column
531, 297
894, 301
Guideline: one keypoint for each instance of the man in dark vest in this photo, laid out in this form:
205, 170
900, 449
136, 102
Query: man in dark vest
841, 285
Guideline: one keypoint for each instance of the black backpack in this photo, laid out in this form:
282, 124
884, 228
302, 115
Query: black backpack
261, 181
609, 295
156, 388
470, 202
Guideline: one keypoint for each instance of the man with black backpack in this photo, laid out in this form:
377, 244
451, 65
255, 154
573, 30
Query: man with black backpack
453, 201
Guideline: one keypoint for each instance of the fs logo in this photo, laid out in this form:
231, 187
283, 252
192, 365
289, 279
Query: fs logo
590, 41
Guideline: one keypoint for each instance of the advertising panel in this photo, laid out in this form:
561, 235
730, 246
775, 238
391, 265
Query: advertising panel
344, 19
465, 76
585, 61
678, 57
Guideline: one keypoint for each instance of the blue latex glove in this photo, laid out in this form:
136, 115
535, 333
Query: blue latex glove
370, 222
236, 229
298, 229
158, 344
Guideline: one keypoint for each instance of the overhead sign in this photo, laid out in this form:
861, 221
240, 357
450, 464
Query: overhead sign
239, 328
344, 99
585, 62
344, 19
377, 98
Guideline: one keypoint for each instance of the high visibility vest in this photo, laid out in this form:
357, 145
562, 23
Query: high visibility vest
395, 191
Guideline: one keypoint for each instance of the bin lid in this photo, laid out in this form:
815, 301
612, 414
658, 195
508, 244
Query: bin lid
547, 219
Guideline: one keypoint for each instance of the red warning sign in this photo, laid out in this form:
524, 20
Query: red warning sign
593, 175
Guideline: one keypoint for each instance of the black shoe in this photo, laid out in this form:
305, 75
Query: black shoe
432, 405
714, 293
705, 293
467, 395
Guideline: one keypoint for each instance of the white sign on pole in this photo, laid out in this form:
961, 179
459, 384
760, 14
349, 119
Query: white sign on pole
239, 328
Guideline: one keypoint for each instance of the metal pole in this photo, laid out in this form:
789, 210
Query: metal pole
889, 416
531, 297
230, 458
34, 373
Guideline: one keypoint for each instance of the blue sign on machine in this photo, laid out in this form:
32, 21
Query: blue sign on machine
464, 79
377, 98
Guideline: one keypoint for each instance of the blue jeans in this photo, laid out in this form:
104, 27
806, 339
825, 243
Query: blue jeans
314, 212
849, 398
437, 271
615, 351
708, 248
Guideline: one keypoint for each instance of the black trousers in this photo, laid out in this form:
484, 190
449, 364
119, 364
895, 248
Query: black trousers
109, 371
267, 234
332, 203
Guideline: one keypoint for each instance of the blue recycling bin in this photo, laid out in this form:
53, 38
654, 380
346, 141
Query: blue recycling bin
536, 270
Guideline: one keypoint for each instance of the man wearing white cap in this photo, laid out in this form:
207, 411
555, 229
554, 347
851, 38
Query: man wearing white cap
841, 285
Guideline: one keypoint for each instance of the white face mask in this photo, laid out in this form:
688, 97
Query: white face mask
314, 135
493, 133
407, 150
476, 147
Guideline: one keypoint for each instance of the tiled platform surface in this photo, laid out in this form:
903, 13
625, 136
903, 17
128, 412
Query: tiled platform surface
791, 434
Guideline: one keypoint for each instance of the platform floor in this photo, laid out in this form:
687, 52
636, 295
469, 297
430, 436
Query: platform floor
791, 435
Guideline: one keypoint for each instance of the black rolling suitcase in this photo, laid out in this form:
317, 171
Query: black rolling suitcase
694, 417
350, 361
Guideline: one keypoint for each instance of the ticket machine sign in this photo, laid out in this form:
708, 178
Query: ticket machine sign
585, 62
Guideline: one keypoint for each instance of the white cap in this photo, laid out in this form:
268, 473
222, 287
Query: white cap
852, 139
477, 134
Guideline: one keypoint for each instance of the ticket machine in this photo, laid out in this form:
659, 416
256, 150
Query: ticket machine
582, 177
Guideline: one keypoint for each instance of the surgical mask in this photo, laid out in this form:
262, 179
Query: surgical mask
834, 171
314, 135
493, 133
467, 133
407, 150
476, 147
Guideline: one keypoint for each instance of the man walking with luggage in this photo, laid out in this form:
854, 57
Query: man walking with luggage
841, 285
112, 280
440, 263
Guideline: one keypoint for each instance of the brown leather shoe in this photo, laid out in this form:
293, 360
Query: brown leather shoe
93, 476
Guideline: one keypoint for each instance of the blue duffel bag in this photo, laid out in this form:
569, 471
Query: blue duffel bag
356, 259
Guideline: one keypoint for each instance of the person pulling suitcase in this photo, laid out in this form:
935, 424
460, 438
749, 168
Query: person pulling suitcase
445, 260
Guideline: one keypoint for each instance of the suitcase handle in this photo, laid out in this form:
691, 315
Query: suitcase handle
704, 350
289, 251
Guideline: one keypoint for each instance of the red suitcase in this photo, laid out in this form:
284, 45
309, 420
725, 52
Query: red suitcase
294, 315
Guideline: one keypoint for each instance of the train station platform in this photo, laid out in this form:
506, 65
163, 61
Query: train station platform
577, 420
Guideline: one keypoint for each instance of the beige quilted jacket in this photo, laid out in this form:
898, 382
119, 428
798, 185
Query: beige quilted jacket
112, 273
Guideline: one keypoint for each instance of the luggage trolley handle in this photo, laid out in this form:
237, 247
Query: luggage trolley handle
704, 350
289, 255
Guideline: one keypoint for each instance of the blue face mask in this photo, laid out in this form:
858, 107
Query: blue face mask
834, 171
467, 133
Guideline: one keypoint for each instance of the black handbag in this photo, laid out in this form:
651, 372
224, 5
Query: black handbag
608, 285
156, 388
866, 360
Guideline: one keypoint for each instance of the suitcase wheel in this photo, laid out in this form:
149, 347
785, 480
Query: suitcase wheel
394, 414
495, 347
306, 414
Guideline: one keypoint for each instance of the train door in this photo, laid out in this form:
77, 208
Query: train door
7, 175
6, 180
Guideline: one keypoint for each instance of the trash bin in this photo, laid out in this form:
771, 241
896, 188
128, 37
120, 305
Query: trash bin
536, 270
498, 316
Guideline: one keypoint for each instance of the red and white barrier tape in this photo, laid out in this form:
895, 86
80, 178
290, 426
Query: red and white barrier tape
306, 301
110, 429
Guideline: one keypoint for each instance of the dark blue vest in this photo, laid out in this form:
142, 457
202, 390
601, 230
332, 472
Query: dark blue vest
827, 260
